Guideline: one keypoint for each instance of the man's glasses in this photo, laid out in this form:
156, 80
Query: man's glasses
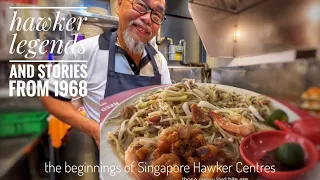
142, 7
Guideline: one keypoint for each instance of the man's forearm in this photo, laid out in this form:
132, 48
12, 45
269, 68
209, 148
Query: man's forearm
67, 113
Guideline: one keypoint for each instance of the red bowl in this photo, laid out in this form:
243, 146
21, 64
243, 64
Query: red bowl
255, 146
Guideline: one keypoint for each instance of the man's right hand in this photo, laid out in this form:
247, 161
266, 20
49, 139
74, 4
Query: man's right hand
95, 134
69, 114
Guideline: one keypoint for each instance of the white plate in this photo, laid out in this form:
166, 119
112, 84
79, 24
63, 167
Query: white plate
108, 158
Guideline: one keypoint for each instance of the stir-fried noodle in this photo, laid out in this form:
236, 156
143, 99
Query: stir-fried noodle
153, 112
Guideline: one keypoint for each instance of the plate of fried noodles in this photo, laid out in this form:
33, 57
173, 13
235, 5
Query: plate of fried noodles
184, 130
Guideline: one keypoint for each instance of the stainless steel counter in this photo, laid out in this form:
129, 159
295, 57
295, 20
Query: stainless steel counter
178, 73
14, 104
283, 81
12, 150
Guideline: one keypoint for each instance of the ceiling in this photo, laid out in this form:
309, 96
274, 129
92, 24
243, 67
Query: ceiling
233, 6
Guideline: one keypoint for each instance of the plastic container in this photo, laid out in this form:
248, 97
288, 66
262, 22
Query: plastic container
256, 145
22, 123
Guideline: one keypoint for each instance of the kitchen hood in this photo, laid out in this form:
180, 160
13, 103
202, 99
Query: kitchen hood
242, 28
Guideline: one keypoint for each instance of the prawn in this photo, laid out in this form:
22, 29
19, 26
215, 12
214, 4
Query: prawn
175, 133
234, 123
169, 160
136, 152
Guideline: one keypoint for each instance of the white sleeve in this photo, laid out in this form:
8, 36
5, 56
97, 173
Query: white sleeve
55, 80
165, 74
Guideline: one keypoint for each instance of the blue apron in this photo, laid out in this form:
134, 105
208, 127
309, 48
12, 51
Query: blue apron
118, 82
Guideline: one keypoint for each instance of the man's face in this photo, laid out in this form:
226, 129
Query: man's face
139, 26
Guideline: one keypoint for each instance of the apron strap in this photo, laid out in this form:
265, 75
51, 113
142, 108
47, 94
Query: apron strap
151, 53
112, 52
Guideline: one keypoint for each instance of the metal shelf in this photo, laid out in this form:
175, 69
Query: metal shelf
7, 57
103, 21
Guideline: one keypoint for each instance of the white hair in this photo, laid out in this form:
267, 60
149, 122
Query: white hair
134, 46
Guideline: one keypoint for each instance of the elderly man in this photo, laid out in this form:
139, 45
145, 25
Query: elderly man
118, 60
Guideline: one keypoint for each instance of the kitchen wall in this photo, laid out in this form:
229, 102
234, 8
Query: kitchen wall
179, 25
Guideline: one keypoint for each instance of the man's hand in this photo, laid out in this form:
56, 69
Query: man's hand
67, 113
95, 134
